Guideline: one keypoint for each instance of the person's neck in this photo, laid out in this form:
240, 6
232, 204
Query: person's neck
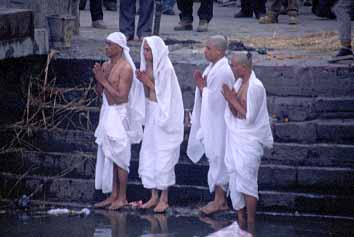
217, 59
149, 65
116, 59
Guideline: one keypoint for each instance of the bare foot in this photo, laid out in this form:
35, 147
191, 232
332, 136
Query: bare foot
150, 204
213, 207
161, 207
105, 202
117, 204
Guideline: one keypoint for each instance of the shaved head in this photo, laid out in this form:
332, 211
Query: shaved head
219, 42
243, 58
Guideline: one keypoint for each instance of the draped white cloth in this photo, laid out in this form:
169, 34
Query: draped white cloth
245, 140
163, 132
207, 135
119, 126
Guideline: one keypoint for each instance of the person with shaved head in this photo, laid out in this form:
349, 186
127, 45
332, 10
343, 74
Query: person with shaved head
207, 135
247, 133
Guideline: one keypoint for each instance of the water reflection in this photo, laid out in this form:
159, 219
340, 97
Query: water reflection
214, 224
158, 226
117, 227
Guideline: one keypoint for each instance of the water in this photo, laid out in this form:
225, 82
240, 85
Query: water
177, 224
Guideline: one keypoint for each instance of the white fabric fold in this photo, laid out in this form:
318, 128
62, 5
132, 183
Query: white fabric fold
207, 135
113, 144
245, 140
136, 100
163, 132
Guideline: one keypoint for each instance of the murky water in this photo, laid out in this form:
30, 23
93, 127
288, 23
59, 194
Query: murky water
133, 223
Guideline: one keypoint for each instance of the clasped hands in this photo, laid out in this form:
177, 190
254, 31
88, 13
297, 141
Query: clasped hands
200, 80
228, 93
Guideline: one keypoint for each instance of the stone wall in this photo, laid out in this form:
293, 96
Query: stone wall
43, 8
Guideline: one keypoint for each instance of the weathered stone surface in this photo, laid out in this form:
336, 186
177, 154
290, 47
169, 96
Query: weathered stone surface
78, 190
335, 155
16, 24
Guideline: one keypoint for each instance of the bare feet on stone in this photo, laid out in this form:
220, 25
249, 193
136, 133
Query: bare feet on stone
105, 202
150, 204
213, 207
161, 207
117, 204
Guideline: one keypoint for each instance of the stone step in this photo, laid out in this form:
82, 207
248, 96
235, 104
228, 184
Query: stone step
271, 177
79, 190
293, 108
296, 80
310, 108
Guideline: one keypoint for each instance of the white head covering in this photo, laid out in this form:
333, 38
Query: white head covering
136, 100
168, 92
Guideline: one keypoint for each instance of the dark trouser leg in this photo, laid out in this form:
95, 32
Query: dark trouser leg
145, 18
343, 9
258, 7
96, 10
274, 7
293, 8
205, 11
246, 6
186, 8
127, 10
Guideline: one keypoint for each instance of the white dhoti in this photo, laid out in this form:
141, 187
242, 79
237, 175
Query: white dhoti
245, 140
113, 143
242, 159
159, 153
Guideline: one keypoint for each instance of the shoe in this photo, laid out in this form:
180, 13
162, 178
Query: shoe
184, 25
110, 5
343, 54
268, 19
242, 14
259, 15
203, 26
292, 20
99, 24
169, 12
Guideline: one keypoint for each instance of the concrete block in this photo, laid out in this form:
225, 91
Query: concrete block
15, 24
41, 41
295, 132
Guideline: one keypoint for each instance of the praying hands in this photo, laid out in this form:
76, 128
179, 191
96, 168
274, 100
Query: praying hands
145, 78
201, 82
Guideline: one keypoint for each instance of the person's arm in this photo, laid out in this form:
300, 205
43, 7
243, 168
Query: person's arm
236, 107
119, 88
145, 79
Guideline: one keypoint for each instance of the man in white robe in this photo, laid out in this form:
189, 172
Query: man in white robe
121, 118
163, 131
248, 132
207, 135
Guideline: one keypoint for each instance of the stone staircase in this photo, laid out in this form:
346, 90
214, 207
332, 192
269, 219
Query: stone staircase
310, 170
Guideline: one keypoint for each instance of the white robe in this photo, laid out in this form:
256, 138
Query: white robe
207, 135
119, 126
245, 139
113, 143
163, 132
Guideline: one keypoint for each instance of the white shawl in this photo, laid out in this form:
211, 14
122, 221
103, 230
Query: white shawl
207, 133
256, 126
170, 112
